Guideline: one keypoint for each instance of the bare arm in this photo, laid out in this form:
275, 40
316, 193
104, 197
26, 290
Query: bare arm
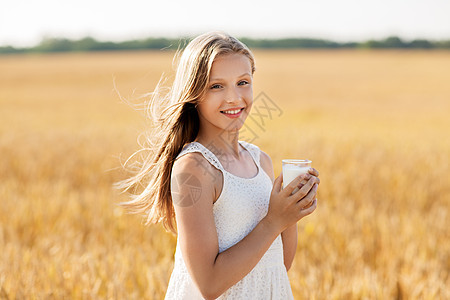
289, 235
215, 272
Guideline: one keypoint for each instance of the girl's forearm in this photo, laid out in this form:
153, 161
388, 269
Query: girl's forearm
237, 261
289, 237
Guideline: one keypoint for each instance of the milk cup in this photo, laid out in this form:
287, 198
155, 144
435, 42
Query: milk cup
292, 168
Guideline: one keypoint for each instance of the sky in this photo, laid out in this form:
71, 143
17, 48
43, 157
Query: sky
23, 23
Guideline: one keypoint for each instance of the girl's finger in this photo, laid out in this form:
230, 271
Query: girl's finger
277, 183
314, 172
317, 179
309, 210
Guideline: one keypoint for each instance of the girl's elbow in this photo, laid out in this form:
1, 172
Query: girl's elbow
210, 290
209, 296
209, 293
288, 265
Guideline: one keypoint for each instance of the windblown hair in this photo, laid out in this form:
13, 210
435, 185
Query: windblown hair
175, 123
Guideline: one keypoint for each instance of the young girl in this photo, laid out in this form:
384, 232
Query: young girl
236, 226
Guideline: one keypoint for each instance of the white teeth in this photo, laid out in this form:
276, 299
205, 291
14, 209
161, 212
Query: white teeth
231, 112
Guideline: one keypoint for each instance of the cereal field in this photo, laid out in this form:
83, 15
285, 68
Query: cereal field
374, 123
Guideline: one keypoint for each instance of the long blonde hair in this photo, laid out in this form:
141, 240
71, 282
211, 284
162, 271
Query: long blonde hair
175, 123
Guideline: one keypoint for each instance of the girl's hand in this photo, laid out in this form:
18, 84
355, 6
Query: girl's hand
285, 208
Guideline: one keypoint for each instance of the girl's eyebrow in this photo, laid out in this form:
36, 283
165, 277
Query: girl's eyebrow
219, 79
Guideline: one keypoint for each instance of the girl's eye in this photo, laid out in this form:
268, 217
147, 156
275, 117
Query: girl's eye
243, 82
215, 86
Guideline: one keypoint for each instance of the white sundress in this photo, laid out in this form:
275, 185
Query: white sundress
239, 208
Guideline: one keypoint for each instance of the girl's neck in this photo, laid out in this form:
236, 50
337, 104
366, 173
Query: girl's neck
225, 143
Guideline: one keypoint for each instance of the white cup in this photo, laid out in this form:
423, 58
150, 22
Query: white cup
292, 168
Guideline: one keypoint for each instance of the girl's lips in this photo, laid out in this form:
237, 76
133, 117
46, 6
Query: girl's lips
234, 114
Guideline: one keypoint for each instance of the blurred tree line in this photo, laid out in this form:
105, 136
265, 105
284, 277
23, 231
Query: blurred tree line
91, 44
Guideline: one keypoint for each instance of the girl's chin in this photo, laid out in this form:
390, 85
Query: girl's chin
230, 128
236, 124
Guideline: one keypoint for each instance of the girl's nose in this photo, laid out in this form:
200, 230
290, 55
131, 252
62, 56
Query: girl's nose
233, 96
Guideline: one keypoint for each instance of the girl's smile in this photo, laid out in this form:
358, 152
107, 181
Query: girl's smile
232, 113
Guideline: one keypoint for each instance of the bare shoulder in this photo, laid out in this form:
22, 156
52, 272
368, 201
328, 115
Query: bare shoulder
266, 164
265, 158
192, 181
192, 163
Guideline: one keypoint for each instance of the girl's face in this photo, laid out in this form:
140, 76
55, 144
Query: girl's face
229, 93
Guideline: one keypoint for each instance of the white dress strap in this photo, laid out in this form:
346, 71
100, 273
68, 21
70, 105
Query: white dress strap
254, 151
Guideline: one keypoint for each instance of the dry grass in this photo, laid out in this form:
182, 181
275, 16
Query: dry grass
375, 125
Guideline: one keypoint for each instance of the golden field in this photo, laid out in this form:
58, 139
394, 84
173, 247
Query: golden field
375, 123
